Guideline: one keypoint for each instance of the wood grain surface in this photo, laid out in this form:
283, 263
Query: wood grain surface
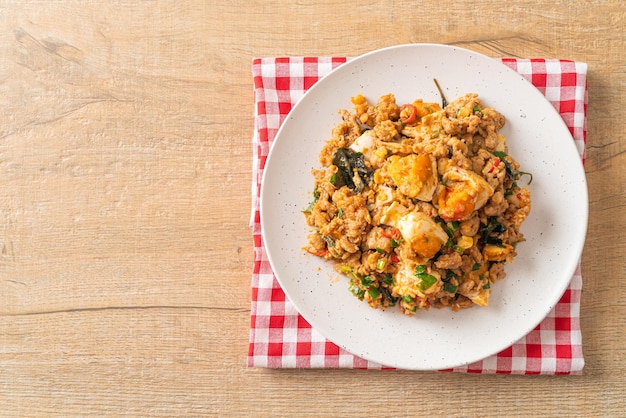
125, 170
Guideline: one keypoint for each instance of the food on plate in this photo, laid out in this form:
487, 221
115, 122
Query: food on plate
419, 205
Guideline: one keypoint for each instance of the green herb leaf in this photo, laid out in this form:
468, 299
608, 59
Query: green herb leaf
395, 243
388, 280
449, 276
407, 298
316, 196
374, 292
512, 173
357, 291
387, 295
426, 281
329, 241
450, 288
366, 281
419, 270
348, 162
489, 233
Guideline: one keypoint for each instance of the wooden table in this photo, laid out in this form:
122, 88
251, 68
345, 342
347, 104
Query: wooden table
125, 164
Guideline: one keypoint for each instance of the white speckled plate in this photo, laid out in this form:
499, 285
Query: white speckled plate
555, 230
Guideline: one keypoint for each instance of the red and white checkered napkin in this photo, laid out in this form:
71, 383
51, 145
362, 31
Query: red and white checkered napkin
280, 337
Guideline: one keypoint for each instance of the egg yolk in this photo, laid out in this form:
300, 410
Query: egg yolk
415, 175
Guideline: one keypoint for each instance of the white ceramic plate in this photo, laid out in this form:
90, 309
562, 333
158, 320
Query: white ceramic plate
555, 230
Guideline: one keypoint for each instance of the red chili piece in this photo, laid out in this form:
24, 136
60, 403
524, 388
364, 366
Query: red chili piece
408, 113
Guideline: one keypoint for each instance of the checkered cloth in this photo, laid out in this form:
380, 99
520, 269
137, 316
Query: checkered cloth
280, 337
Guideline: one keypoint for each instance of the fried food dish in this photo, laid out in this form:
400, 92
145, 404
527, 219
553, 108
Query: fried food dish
418, 205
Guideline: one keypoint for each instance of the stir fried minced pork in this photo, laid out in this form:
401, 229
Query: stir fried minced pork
418, 205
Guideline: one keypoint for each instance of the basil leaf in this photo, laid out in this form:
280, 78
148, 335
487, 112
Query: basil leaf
348, 163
